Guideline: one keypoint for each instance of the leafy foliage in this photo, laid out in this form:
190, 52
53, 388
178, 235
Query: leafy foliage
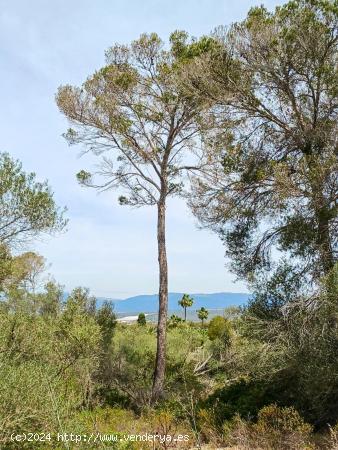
27, 207
132, 114
47, 368
219, 328
271, 181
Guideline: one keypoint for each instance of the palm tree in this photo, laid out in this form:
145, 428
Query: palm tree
203, 314
186, 301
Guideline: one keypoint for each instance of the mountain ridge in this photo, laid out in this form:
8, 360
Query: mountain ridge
148, 303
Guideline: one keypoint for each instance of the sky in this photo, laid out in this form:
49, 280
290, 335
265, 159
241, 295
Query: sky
108, 248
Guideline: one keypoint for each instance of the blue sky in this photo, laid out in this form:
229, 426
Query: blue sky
108, 248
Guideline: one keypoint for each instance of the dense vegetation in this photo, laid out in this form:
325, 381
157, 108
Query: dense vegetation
67, 365
255, 106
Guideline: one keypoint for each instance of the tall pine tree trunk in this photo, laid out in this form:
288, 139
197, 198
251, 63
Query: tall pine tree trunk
160, 364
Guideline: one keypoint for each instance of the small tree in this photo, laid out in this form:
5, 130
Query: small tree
51, 300
203, 314
26, 270
27, 207
26, 276
186, 302
81, 299
141, 320
106, 318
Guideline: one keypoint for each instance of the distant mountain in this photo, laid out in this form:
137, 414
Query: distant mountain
149, 303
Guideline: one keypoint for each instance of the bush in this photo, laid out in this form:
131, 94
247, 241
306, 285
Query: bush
141, 320
219, 328
300, 350
244, 398
333, 439
121, 422
132, 357
47, 367
276, 429
174, 321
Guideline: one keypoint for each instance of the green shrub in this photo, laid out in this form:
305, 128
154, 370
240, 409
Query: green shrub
243, 397
276, 429
174, 321
219, 328
141, 320
47, 366
121, 422
132, 358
